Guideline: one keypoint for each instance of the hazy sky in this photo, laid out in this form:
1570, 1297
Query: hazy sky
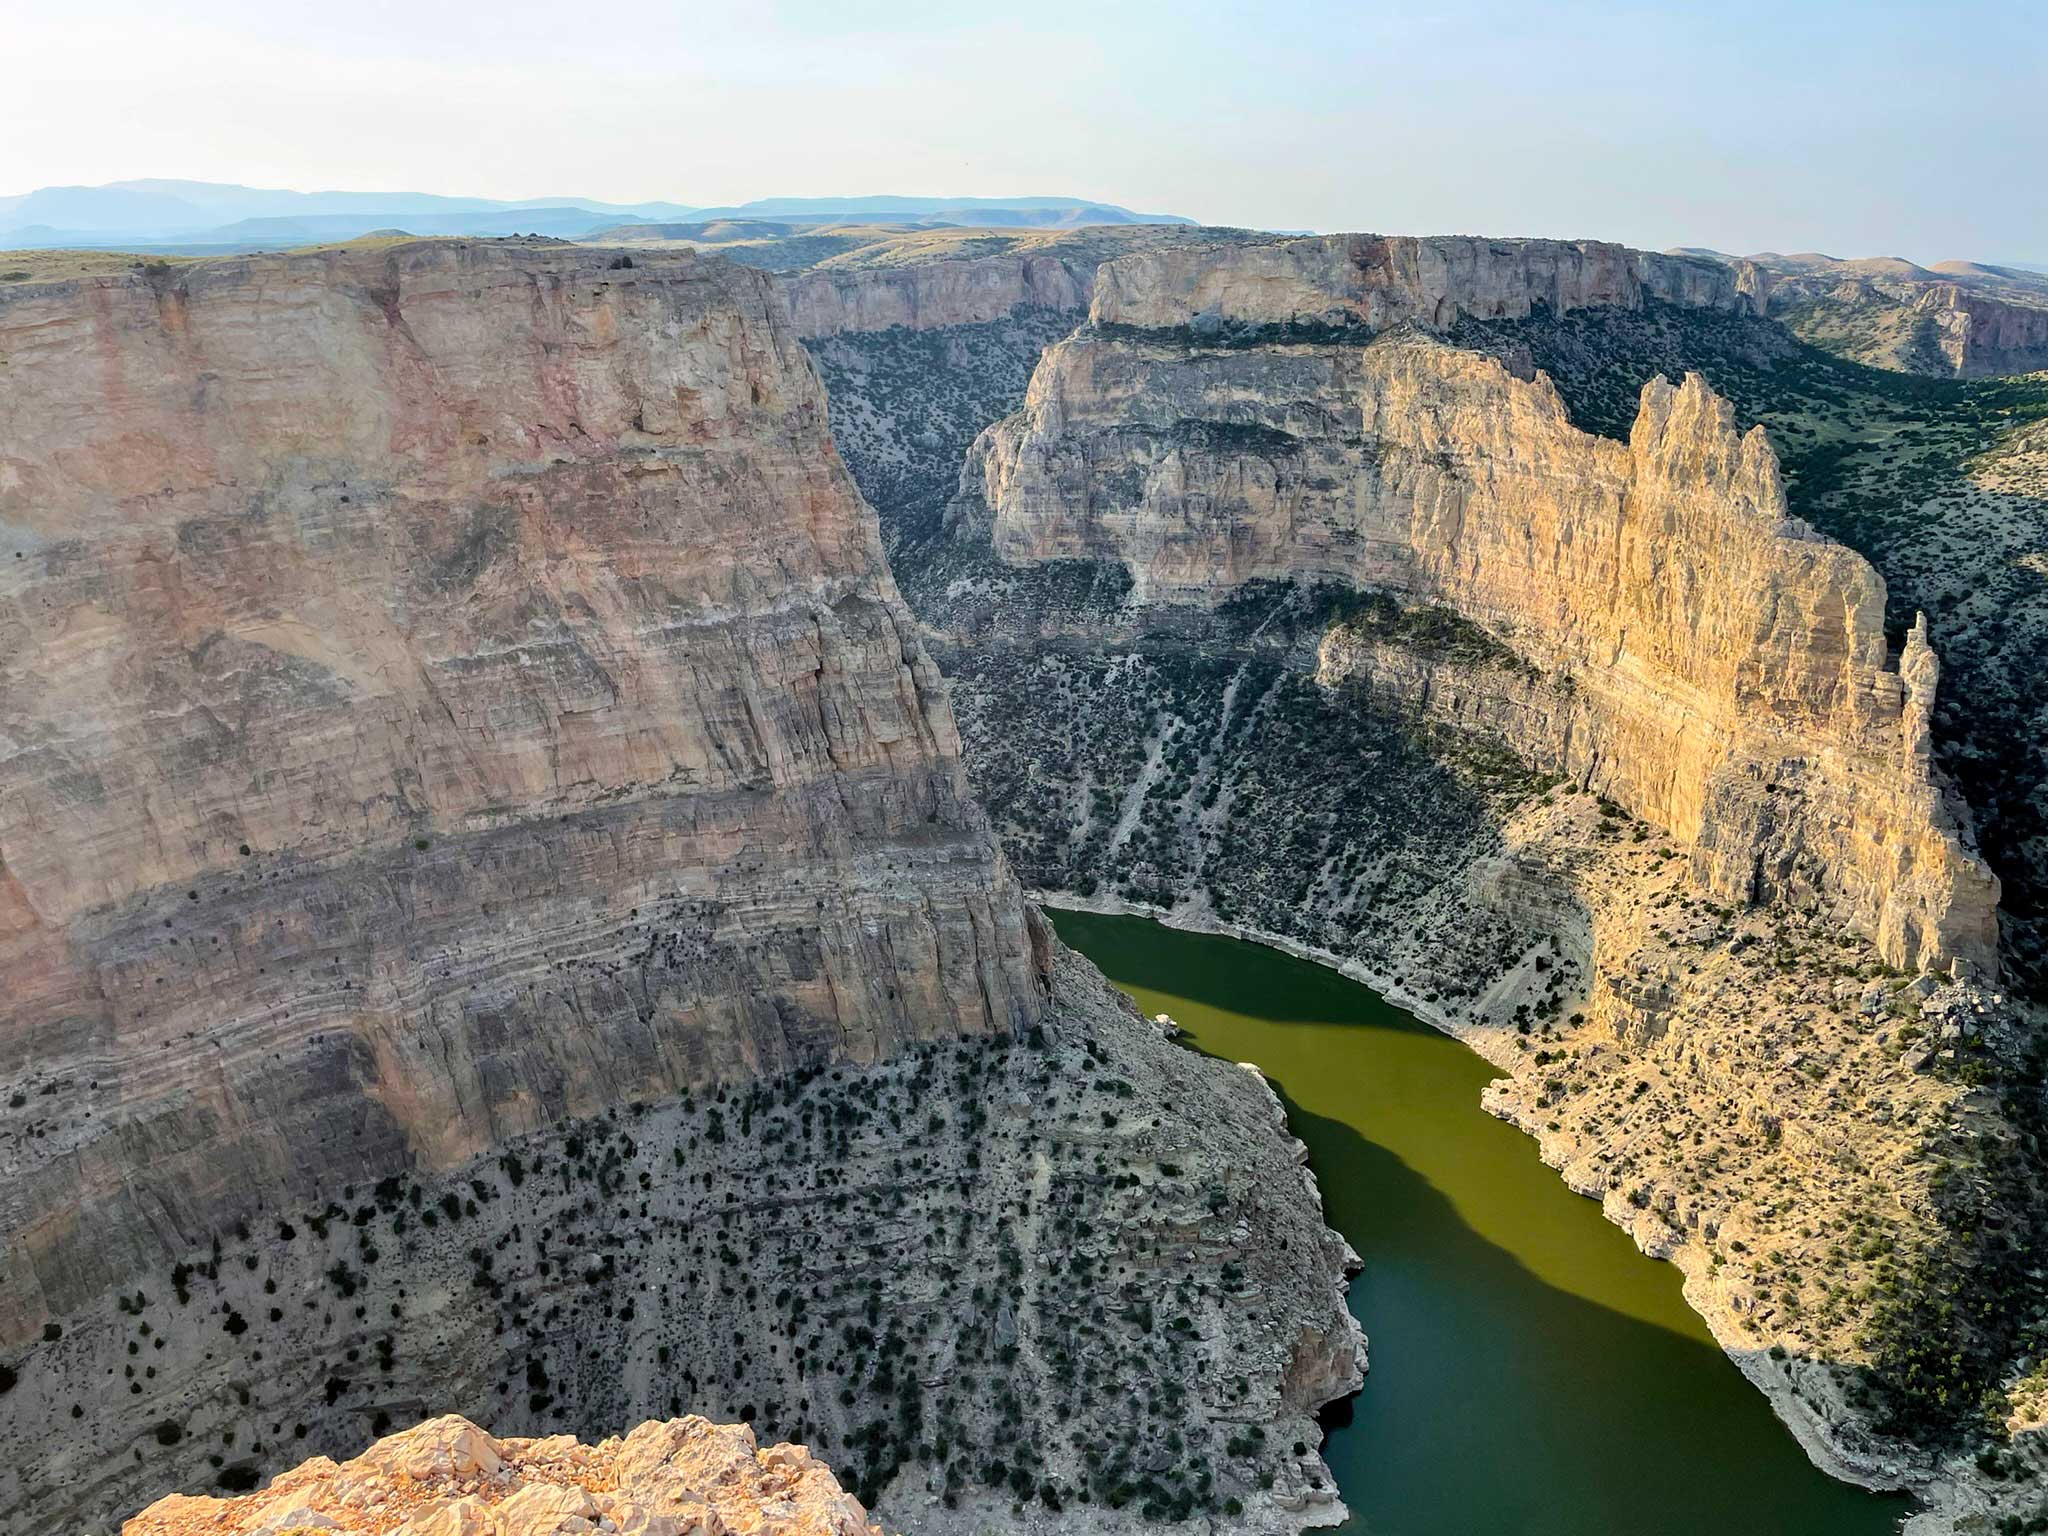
1876, 128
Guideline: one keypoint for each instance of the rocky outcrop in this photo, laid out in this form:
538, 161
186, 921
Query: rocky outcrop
446, 1477
1984, 336
445, 689
1936, 327
830, 301
1376, 281
1718, 667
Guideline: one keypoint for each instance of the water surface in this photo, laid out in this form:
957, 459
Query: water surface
1532, 1373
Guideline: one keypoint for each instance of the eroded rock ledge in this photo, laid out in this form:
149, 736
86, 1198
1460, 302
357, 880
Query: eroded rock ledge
446, 1477
1715, 665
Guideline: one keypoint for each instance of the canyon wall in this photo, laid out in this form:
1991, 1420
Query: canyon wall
830, 301
1723, 668
1982, 336
494, 923
1375, 281
1176, 699
445, 689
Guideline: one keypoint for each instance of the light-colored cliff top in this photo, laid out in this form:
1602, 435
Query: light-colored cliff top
858, 247
1377, 281
446, 1477
21, 270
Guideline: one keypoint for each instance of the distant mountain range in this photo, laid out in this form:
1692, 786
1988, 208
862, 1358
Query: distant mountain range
205, 215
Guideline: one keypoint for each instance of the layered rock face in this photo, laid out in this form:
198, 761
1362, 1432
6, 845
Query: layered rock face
445, 689
446, 1477
932, 295
494, 923
1716, 666
1981, 335
860, 281
1376, 281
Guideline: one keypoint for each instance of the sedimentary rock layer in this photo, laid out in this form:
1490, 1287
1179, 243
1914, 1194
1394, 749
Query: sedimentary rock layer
494, 922
1715, 665
444, 688
930, 295
1376, 281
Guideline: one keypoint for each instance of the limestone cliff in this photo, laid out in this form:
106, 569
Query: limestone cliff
444, 689
494, 922
829, 301
1721, 669
1376, 281
446, 1477
1937, 328
882, 279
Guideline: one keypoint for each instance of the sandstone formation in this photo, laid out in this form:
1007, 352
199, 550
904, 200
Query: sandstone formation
1941, 489
1715, 665
446, 1477
1376, 281
1979, 334
858, 279
495, 923
828, 301
960, 279
446, 689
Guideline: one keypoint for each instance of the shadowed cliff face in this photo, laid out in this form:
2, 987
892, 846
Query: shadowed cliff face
1716, 666
446, 688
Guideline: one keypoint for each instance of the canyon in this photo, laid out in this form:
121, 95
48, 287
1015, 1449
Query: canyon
1291, 600
1958, 319
494, 914
502, 916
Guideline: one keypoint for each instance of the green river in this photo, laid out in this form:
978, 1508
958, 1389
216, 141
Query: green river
1532, 1373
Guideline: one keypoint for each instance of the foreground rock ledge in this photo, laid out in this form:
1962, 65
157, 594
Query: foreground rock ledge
446, 1477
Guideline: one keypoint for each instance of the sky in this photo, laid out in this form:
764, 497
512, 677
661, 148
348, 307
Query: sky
1871, 128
